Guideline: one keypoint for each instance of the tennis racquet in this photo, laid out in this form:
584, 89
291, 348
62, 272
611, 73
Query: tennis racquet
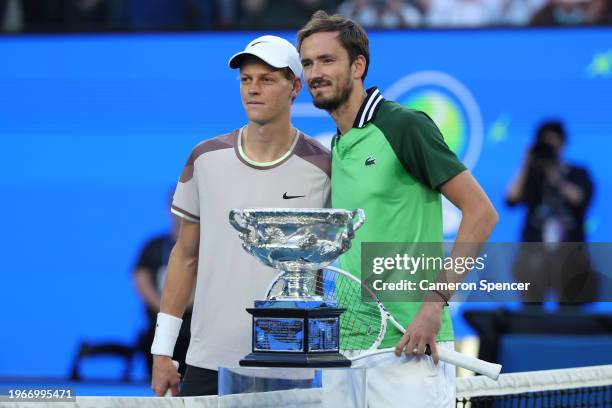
364, 322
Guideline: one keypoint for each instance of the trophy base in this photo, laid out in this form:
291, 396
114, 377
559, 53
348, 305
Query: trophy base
326, 360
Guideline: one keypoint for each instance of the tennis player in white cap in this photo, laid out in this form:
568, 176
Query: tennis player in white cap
265, 163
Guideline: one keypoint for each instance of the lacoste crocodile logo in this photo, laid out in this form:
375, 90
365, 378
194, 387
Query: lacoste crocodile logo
370, 161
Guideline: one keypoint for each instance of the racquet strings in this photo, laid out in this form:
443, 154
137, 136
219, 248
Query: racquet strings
361, 324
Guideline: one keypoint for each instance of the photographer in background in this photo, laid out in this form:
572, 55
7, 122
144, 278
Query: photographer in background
557, 195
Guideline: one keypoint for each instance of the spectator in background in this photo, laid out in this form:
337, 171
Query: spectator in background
89, 15
63, 15
40, 15
11, 16
572, 12
160, 15
171, 14
557, 195
518, 12
266, 14
252, 14
3, 11
149, 276
226, 13
383, 13
461, 13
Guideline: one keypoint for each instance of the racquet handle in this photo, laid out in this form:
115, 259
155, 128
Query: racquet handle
491, 370
169, 391
448, 356
457, 359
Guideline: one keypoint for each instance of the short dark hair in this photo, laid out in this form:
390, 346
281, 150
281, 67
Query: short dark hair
351, 35
551, 126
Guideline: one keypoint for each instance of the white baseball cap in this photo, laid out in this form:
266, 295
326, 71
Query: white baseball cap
274, 51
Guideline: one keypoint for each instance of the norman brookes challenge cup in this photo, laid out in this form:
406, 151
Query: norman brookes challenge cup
296, 328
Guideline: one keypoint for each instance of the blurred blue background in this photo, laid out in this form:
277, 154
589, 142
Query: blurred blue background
95, 130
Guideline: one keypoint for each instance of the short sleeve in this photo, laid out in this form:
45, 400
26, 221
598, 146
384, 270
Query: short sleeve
186, 201
421, 148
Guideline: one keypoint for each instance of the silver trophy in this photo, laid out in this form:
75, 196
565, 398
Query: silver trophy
296, 328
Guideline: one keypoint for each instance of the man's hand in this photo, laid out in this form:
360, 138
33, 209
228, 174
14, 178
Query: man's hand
422, 331
165, 376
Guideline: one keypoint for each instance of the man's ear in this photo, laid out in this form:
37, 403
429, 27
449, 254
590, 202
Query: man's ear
297, 87
358, 67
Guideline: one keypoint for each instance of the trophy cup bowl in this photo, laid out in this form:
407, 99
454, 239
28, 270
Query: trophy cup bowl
296, 241
296, 328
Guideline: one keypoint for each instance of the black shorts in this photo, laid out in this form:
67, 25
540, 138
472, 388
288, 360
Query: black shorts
199, 381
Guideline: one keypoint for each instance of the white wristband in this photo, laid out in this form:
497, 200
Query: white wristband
166, 333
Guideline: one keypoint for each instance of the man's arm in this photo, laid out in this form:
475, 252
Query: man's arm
576, 192
146, 287
178, 288
478, 214
182, 270
478, 220
516, 189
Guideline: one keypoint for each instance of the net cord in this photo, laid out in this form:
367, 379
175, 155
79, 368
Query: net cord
535, 381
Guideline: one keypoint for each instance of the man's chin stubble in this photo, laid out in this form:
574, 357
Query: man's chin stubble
329, 105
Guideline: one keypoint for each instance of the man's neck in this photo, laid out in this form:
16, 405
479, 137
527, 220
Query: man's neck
345, 115
268, 142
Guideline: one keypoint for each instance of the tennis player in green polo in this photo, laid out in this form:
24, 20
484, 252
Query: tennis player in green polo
392, 162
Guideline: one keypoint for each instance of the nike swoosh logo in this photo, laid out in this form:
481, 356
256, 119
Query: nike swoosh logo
288, 197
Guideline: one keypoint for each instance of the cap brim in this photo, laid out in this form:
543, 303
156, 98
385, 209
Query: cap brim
236, 60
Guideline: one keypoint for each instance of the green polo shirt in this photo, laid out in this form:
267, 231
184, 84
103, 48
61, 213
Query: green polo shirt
391, 164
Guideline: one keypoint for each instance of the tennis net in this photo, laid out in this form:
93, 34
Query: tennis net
572, 387
565, 388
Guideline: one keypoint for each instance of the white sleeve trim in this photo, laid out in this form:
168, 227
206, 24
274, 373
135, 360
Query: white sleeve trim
184, 215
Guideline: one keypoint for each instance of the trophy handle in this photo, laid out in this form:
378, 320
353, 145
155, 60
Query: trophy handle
235, 223
361, 218
351, 227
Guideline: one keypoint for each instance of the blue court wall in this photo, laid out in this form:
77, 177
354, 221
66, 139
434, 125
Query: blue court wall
94, 131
